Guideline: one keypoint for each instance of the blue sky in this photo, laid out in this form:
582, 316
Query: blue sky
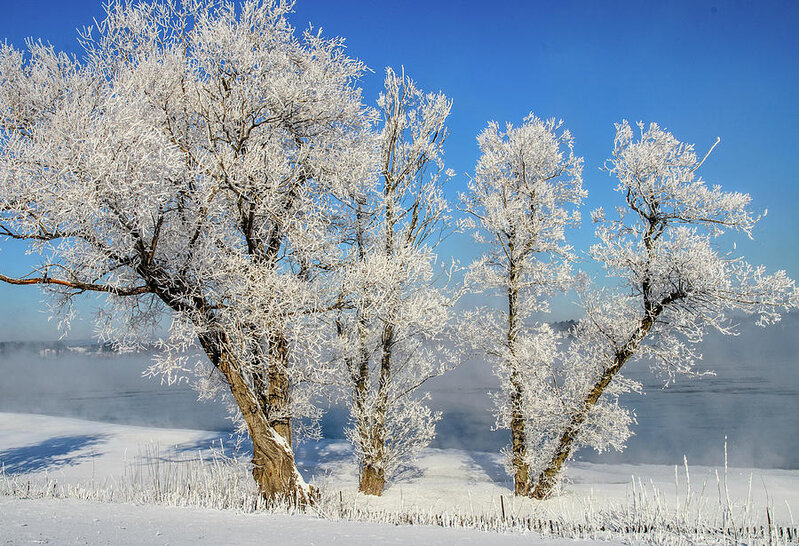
700, 69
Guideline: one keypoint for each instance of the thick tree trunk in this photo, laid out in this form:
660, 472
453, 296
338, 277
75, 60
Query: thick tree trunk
274, 468
372, 480
279, 386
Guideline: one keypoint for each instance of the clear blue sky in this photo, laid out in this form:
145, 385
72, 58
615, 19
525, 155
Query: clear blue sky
701, 69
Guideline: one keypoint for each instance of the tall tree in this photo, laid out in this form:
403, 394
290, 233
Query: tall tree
397, 312
525, 192
676, 284
191, 168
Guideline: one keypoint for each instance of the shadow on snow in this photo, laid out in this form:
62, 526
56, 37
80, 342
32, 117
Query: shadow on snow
49, 454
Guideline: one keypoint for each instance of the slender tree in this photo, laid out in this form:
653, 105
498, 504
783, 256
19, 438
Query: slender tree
676, 284
191, 168
524, 194
396, 311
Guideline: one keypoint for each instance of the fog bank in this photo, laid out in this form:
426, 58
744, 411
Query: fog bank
753, 400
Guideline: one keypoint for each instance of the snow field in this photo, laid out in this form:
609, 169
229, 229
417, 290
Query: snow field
73, 521
47, 458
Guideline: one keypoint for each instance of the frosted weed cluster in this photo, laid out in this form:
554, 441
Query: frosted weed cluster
694, 514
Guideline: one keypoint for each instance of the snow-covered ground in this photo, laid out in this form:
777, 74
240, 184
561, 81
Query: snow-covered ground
78, 450
54, 450
68, 521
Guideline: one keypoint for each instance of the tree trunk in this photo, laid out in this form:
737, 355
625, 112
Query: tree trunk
274, 469
369, 478
279, 386
521, 470
518, 422
373, 477
549, 476
372, 480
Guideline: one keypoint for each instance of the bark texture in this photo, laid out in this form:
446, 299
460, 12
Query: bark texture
279, 387
372, 480
521, 469
274, 468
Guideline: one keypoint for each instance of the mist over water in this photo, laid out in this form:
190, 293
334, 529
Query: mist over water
106, 388
753, 400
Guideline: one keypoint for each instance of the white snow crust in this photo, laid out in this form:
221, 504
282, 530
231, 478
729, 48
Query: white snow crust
444, 481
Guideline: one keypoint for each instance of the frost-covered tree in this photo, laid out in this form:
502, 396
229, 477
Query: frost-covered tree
525, 192
676, 284
396, 312
191, 168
